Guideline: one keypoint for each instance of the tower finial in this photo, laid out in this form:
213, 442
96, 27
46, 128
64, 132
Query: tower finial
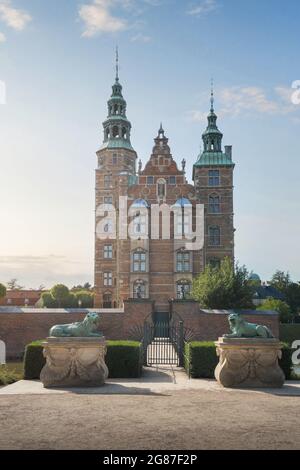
212, 100
117, 63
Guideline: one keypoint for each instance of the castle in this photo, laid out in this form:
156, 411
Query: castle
158, 268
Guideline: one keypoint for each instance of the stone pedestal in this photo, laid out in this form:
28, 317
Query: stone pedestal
74, 362
249, 363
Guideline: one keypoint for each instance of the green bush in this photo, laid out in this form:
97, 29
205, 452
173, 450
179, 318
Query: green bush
289, 332
9, 375
34, 360
200, 359
123, 359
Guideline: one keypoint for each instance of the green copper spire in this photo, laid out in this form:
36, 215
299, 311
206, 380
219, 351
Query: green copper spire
117, 127
212, 154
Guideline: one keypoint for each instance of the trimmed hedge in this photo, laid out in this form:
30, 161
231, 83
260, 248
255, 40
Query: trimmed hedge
289, 332
201, 360
124, 359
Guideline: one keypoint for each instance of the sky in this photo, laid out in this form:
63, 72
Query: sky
56, 71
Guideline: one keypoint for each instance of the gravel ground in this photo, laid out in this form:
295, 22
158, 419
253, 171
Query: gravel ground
186, 419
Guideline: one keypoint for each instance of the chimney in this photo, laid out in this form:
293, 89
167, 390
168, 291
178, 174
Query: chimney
228, 151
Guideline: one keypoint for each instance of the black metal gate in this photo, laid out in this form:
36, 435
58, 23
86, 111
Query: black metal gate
163, 343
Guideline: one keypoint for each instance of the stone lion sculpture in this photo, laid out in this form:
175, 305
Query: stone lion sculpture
82, 328
240, 328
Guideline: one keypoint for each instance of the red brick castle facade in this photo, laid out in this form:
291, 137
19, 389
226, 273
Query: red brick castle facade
149, 264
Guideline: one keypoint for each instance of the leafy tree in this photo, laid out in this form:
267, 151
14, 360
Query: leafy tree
284, 310
60, 294
13, 285
85, 299
48, 301
281, 280
223, 288
2, 291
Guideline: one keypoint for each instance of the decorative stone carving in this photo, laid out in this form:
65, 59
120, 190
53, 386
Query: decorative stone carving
74, 362
249, 362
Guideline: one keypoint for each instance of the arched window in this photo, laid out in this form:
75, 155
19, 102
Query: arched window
139, 211
161, 188
183, 289
124, 132
115, 131
183, 217
139, 289
107, 300
183, 261
139, 261
214, 236
214, 204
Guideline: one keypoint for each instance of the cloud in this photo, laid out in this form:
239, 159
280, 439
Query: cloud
15, 18
97, 18
250, 100
141, 38
203, 7
2, 37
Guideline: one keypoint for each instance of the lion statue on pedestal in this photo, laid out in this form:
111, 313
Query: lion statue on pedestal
240, 328
84, 328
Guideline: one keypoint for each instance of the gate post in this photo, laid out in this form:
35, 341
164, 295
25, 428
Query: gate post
145, 344
181, 344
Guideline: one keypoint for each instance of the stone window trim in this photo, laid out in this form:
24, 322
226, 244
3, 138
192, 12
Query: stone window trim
108, 251
139, 289
108, 279
214, 178
214, 203
161, 189
150, 180
183, 288
214, 262
139, 261
183, 261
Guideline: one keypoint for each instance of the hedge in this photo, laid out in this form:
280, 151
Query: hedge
201, 359
123, 359
289, 332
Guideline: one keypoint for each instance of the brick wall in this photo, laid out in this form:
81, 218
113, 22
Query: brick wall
209, 325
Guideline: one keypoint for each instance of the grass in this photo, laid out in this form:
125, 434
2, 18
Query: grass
11, 372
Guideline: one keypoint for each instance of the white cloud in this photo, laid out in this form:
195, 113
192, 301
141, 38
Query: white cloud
140, 37
15, 18
203, 7
253, 100
97, 18
2, 37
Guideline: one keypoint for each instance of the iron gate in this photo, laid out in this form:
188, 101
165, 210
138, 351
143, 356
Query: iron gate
163, 343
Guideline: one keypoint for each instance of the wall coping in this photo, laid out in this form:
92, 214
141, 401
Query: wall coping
258, 313
25, 310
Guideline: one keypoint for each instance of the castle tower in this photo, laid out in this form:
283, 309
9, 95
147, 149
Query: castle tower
115, 172
213, 180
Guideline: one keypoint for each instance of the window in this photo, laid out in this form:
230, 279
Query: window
214, 238
107, 181
139, 290
172, 180
108, 227
108, 279
183, 219
215, 263
139, 261
107, 300
140, 224
108, 251
214, 178
183, 289
115, 159
161, 188
150, 180
108, 200
214, 204
183, 261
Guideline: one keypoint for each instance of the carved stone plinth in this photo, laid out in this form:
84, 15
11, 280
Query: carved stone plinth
249, 363
74, 362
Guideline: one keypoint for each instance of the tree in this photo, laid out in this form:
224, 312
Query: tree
13, 285
48, 301
2, 291
281, 280
223, 288
60, 294
284, 310
85, 299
